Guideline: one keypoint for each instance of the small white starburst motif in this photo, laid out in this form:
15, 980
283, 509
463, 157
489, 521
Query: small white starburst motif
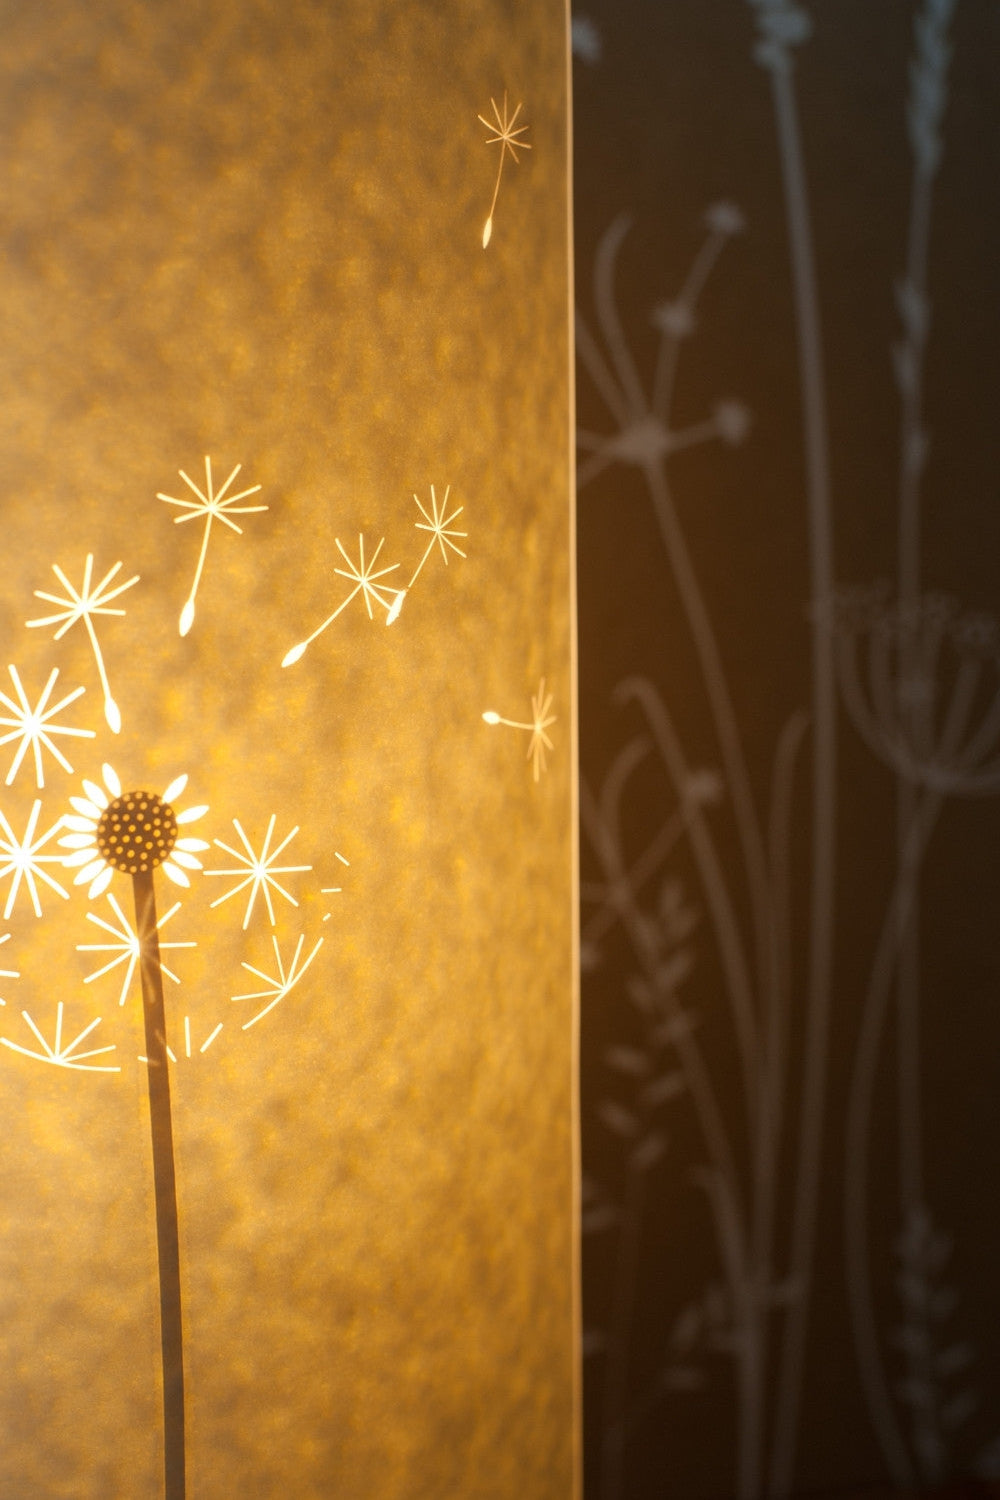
507, 134
34, 726
209, 506
84, 604
260, 869
365, 580
281, 982
539, 743
126, 946
60, 1054
439, 523
21, 859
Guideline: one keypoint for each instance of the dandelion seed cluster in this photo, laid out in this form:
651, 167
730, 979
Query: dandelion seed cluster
136, 832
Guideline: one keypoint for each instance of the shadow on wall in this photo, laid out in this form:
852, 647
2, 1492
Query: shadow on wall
790, 741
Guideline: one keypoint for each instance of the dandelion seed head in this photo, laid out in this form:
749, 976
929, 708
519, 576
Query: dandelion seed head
136, 832
133, 832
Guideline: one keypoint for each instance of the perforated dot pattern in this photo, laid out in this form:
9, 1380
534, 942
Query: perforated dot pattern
136, 832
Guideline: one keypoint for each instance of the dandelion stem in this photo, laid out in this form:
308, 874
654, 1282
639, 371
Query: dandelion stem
430, 548
164, 1187
111, 712
488, 229
187, 613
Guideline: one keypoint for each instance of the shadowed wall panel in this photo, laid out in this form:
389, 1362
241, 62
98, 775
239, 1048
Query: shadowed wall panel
789, 343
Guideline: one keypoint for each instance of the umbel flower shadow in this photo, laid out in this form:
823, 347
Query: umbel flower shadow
755, 960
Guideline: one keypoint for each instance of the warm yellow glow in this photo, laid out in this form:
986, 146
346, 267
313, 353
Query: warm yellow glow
258, 245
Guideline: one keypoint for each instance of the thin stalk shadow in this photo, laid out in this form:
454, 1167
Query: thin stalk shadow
164, 1187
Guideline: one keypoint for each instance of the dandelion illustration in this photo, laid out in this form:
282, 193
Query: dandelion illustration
365, 580
34, 726
135, 833
7, 973
84, 605
60, 1054
21, 859
261, 870
126, 946
507, 134
210, 507
540, 721
438, 522
281, 982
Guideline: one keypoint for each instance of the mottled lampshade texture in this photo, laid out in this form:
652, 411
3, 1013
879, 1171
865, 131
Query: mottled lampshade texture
251, 234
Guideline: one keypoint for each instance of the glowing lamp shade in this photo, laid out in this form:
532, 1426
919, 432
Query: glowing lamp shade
286, 751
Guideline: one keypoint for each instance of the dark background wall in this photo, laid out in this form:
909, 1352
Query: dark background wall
787, 240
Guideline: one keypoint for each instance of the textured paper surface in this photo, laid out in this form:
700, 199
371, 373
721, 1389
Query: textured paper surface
254, 232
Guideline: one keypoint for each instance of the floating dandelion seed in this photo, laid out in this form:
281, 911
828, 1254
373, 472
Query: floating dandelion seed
133, 832
21, 859
438, 523
34, 726
261, 870
126, 946
540, 721
7, 973
364, 577
83, 606
504, 134
280, 984
64, 1056
211, 507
